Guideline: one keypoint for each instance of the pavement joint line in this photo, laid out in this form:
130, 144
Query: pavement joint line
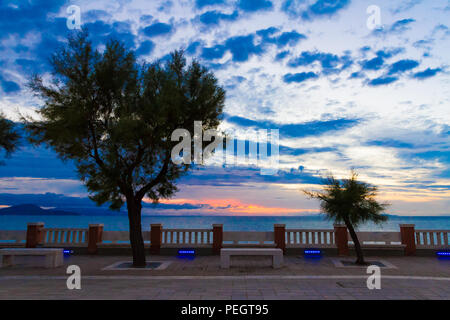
251, 277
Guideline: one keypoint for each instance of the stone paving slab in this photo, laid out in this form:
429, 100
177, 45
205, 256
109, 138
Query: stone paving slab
221, 289
210, 266
202, 278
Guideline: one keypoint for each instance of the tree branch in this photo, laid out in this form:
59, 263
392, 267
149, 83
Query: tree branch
141, 193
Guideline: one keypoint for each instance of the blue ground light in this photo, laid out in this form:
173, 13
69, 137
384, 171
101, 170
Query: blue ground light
312, 254
443, 255
67, 252
186, 254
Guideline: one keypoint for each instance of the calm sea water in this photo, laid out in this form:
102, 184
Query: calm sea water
120, 223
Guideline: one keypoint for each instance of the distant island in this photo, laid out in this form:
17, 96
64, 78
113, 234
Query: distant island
33, 210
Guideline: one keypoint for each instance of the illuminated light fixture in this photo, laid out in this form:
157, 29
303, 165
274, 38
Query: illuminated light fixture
443, 253
189, 252
67, 252
312, 252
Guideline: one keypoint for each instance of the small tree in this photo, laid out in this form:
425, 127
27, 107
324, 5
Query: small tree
351, 202
114, 118
9, 137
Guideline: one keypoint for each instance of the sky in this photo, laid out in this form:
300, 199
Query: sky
345, 90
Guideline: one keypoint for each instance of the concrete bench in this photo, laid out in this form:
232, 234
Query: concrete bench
225, 255
53, 257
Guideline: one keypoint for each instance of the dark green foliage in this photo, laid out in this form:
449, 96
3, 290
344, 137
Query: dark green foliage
114, 118
9, 137
351, 202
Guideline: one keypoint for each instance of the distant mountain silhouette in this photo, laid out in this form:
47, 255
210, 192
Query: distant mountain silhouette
33, 210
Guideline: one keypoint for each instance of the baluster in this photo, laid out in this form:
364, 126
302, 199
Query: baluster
57, 236
438, 238
446, 239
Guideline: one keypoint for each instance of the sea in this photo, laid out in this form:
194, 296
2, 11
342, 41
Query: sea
230, 223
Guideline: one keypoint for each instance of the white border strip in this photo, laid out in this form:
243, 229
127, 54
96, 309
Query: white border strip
164, 265
260, 277
338, 264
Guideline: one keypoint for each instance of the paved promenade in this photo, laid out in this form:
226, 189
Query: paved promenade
201, 278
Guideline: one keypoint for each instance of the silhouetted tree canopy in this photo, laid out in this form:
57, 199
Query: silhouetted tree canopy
351, 202
9, 136
114, 117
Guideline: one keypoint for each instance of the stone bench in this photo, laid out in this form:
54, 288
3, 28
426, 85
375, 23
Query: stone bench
53, 257
225, 255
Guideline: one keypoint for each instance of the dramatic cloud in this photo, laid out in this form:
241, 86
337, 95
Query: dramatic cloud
145, 48
325, 8
296, 130
254, 5
157, 29
215, 17
9, 86
273, 36
204, 3
299, 77
330, 63
342, 95
428, 73
382, 81
402, 66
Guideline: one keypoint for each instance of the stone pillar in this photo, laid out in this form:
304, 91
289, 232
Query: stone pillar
407, 233
95, 235
341, 239
35, 234
155, 238
279, 236
217, 238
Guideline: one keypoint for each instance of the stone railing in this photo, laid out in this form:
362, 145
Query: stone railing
63, 237
430, 239
321, 238
93, 238
187, 237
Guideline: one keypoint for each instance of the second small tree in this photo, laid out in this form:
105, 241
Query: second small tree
351, 202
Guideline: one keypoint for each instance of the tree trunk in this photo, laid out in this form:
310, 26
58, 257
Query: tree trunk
136, 240
359, 252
